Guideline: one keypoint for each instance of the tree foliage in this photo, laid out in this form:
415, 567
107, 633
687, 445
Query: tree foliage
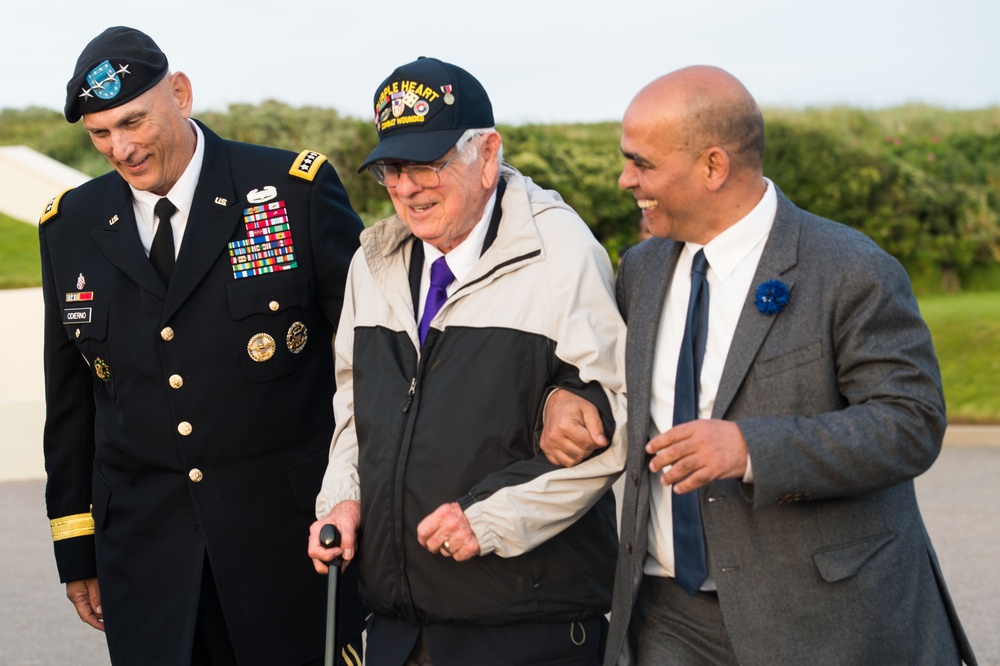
923, 182
582, 163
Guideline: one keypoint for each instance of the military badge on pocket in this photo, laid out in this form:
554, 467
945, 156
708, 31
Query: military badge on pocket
296, 337
261, 347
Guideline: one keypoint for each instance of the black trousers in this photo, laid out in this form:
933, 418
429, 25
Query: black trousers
392, 642
212, 645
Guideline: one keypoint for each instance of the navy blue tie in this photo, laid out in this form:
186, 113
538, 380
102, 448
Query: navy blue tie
690, 562
441, 277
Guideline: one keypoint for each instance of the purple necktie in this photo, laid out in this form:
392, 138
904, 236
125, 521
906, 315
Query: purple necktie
441, 277
690, 566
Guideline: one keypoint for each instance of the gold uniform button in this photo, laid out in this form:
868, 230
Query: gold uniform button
167, 334
184, 428
176, 381
196, 475
77, 332
274, 305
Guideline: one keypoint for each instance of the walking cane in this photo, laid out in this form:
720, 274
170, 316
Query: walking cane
329, 537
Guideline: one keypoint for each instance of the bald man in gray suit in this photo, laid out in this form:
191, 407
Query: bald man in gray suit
817, 403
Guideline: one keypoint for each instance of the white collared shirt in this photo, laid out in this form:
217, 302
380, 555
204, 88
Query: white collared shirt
732, 257
181, 195
461, 259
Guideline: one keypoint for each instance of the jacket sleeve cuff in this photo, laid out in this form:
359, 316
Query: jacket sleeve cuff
487, 539
327, 499
75, 558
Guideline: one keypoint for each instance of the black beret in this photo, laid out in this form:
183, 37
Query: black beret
423, 108
115, 67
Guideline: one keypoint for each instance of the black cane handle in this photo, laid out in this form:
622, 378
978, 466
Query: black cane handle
329, 537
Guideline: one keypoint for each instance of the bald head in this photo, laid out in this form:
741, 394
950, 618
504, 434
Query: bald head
693, 143
707, 106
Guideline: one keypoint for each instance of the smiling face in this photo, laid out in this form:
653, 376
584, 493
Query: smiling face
148, 140
661, 172
445, 215
693, 142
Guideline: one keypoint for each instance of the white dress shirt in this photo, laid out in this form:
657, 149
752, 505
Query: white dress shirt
181, 195
732, 257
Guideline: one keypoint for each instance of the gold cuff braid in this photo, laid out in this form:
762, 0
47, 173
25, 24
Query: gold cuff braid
67, 527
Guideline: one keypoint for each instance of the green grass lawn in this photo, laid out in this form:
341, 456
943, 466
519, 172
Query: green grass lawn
965, 327
19, 263
966, 331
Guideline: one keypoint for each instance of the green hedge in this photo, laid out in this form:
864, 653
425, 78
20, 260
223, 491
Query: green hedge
20, 265
923, 182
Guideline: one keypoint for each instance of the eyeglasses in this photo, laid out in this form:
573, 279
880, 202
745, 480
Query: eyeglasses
422, 175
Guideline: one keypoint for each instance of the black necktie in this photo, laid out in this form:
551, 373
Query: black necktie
690, 562
161, 252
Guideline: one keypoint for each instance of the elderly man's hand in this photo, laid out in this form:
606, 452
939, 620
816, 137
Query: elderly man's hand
346, 517
572, 429
698, 452
447, 532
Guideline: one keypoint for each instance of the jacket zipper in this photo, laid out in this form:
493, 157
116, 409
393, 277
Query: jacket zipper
396, 511
409, 395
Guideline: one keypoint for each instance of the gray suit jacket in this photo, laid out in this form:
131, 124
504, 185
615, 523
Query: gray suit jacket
824, 559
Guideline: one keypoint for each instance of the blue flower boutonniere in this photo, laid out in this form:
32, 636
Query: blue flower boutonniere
772, 297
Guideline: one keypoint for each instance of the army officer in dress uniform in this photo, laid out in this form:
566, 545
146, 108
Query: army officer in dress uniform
190, 300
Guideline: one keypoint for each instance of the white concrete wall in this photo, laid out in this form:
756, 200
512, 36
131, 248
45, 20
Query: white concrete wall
28, 180
22, 404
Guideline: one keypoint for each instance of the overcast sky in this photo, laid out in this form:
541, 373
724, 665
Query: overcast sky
540, 60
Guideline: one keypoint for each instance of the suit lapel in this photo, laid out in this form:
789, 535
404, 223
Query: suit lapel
120, 243
779, 256
210, 226
645, 309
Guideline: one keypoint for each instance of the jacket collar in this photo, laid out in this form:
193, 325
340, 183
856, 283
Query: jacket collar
211, 223
517, 237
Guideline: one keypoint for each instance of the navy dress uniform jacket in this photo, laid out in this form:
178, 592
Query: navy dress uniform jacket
166, 441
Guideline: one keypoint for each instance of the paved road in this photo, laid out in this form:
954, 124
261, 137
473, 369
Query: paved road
959, 498
960, 501
38, 626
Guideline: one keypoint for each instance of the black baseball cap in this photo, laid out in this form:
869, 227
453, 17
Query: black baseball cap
115, 67
423, 108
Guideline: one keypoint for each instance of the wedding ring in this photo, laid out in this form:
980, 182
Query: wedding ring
446, 547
